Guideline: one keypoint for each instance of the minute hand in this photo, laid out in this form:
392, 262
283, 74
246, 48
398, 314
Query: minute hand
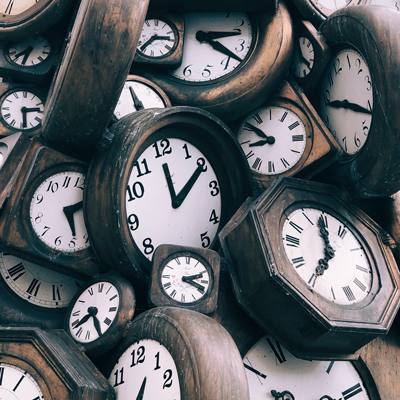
218, 46
211, 35
347, 105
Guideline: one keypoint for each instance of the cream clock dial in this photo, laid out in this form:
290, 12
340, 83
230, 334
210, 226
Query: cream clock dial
146, 370
37, 285
14, 7
172, 185
327, 255
303, 58
32, 51
347, 100
215, 44
56, 213
93, 312
273, 139
185, 279
271, 370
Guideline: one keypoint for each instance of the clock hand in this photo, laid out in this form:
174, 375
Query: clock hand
96, 323
197, 276
285, 395
347, 105
69, 212
177, 200
260, 133
302, 58
141, 390
328, 249
153, 39
210, 35
217, 46
26, 53
262, 142
193, 283
136, 102
34, 109
92, 311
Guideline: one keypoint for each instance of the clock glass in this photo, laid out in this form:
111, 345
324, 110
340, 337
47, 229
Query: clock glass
270, 367
146, 370
215, 44
327, 255
56, 213
173, 196
36, 284
347, 100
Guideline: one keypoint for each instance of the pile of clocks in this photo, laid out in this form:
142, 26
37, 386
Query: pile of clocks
152, 152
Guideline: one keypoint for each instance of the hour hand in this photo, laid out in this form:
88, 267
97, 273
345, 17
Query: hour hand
141, 390
192, 282
347, 105
260, 133
69, 212
200, 36
210, 35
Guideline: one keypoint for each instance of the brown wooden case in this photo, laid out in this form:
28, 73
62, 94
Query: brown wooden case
16, 234
307, 324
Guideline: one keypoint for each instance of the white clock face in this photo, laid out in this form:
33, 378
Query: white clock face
348, 277
22, 110
273, 140
157, 38
32, 51
269, 366
93, 312
303, 58
185, 279
393, 4
14, 7
146, 370
56, 212
173, 196
215, 44
17, 384
36, 284
347, 100
333, 4
137, 96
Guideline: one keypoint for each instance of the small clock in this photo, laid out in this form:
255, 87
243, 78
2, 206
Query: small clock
161, 40
232, 61
99, 312
310, 56
138, 94
356, 96
185, 277
169, 352
43, 220
285, 137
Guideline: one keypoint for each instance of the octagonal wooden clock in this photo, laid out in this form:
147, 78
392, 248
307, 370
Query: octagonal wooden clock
322, 260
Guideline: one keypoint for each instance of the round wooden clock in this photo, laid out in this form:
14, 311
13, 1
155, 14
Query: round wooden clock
172, 175
168, 352
231, 64
323, 260
99, 312
357, 99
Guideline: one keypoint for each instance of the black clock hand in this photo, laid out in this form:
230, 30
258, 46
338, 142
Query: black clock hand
262, 142
217, 46
177, 200
153, 39
302, 58
96, 323
205, 36
92, 311
26, 53
260, 133
136, 102
285, 395
141, 390
347, 105
197, 276
69, 212
328, 249
193, 283
33, 109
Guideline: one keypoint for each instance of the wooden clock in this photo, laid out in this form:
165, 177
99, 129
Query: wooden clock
99, 312
39, 364
322, 260
169, 352
232, 62
357, 100
161, 39
13, 149
82, 97
185, 277
285, 137
173, 175
43, 220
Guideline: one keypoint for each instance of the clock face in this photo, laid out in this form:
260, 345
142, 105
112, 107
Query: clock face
146, 370
269, 366
94, 311
30, 52
185, 279
327, 255
393, 4
347, 100
215, 44
56, 212
173, 196
22, 110
157, 38
137, 96
37, 285
273, 140
14, 7
17, 384
303, 58
333, 4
